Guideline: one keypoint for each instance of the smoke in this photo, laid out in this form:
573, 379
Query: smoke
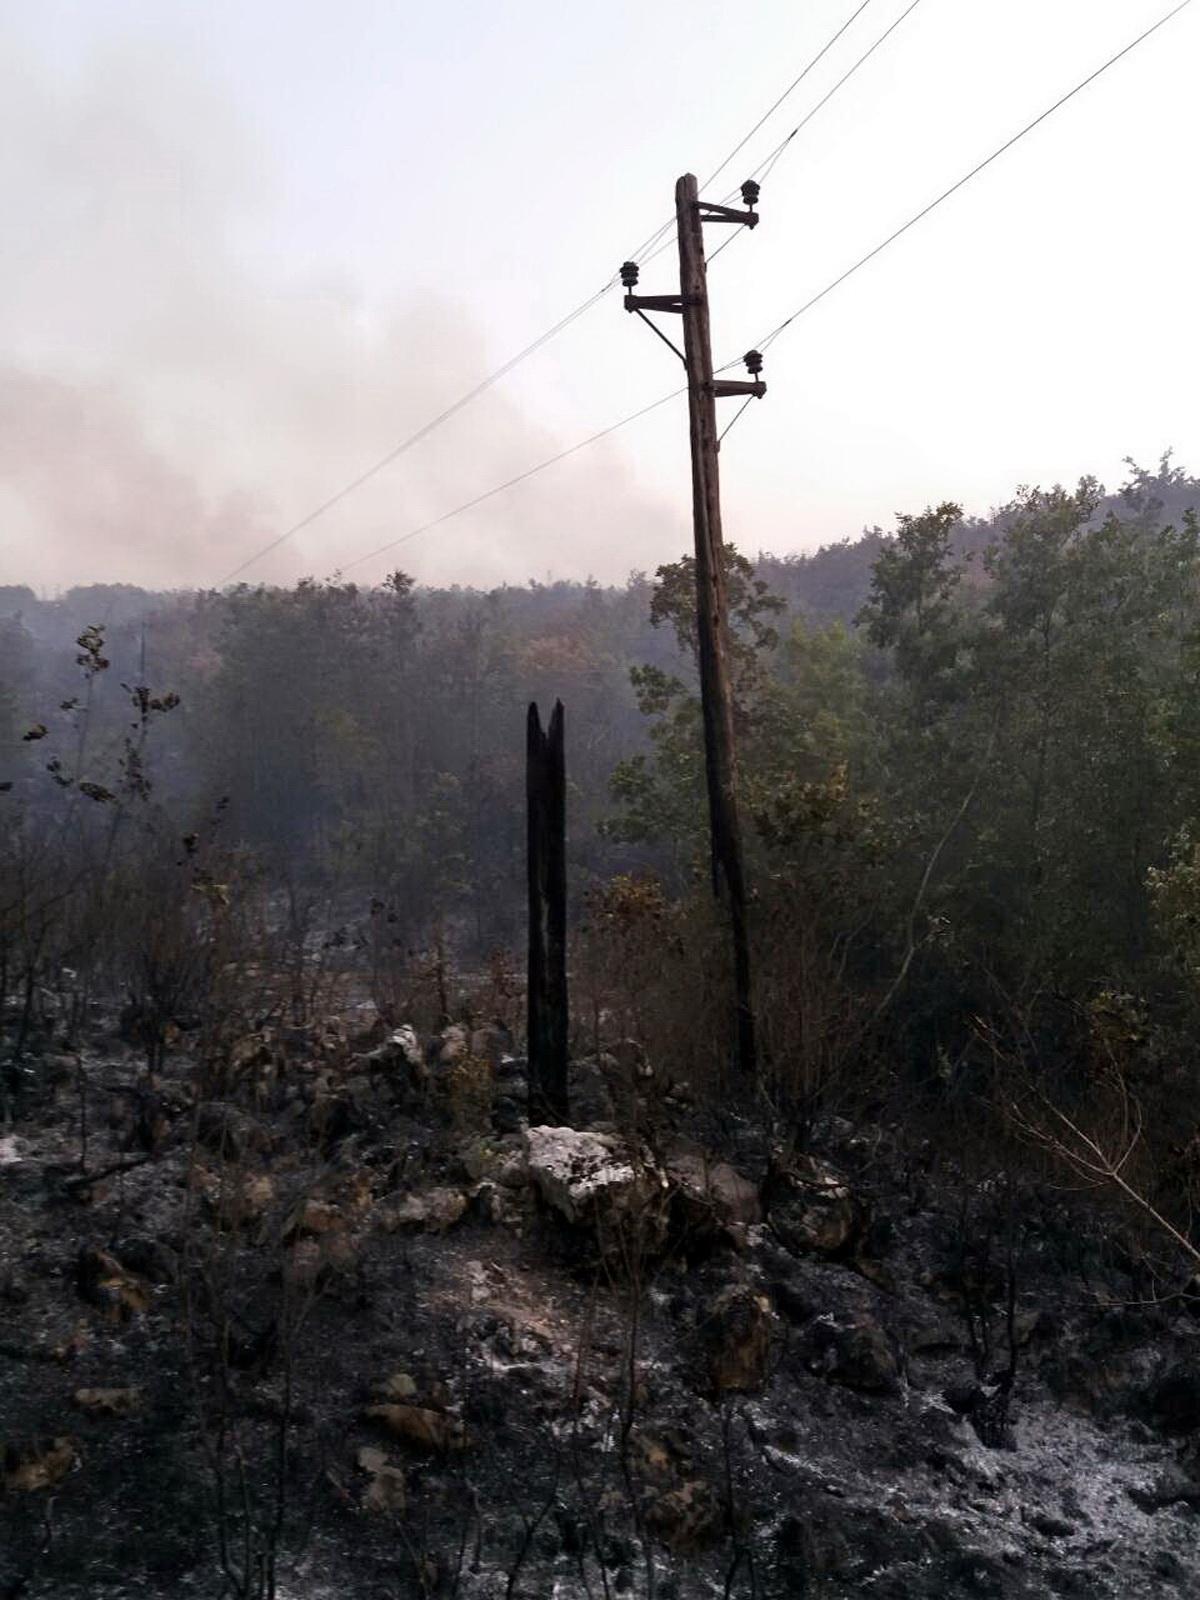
174, 392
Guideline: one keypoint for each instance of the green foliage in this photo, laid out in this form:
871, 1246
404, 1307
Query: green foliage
914, 584
974, 799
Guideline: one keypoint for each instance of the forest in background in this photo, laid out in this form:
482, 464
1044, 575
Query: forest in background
971, 761
265, 1095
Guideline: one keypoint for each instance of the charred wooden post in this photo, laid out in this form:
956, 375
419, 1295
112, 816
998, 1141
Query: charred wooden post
545, 793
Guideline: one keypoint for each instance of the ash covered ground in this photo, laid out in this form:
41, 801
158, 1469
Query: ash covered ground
342, 1324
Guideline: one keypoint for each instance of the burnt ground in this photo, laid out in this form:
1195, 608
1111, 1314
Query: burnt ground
327, 1337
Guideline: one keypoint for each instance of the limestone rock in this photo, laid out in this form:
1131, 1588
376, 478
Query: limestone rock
495, 1159
38, 1465
386, 1490
712, 1191
400, 1386
105, 1283
421, 1427
687, 1518
574, 1171
597, 1178
812, 1208
451, 1046
399, 1054
433, 1211
314, 1219
737, 1336
491, 1044
856, 1353
108, 1402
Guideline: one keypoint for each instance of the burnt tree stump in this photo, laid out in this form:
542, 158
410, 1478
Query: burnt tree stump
545, 793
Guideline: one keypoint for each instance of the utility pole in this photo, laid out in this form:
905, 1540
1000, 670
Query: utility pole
712, 606
545, 793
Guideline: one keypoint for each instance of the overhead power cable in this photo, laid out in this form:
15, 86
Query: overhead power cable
511, 483
765, 167
767, 164
807, 306
790, 90
530, 349
422, 432
967, 176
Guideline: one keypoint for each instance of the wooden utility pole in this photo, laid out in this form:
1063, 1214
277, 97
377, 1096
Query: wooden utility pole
712, 607
545, 795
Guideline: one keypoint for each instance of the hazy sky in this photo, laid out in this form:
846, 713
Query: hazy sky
250, 245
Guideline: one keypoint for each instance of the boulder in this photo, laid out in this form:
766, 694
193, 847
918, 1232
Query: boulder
400, 1053
105, 1283
311, 1264
811, 1207
577, 1171
421, 1427
737, 1338
687, 1518
311, 1218
496, 1159
453, 1044
710, 1194
399, 1386
856, 1353
108, 1402
39, 1464
599, 1180
491, 1044
385, 1488
432, 1211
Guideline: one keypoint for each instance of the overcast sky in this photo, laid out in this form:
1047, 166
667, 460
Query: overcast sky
249, 245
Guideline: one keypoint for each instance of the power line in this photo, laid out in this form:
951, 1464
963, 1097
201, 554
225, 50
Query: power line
500, 372
511, 483
734, 418
807, 306
422, 432
966, 178
791, 88
766, 166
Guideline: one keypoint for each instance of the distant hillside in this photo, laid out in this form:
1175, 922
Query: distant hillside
835, 580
